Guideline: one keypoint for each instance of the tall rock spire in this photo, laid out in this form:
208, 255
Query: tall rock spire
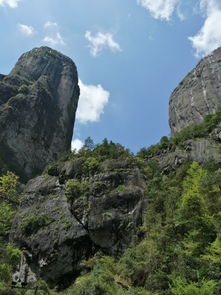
38, 102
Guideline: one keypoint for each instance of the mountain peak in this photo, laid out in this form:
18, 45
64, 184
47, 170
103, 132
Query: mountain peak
38, 102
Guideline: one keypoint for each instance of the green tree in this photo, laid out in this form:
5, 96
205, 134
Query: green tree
196, 227
89, 143
9, 187
180, 286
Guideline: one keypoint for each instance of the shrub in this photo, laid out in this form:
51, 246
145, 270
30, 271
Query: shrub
9, 187
182, 287
121, 188
75, 189
33, 223
90, 165
193, 131
23, 89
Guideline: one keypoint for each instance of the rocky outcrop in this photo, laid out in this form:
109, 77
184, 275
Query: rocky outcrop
38, 101
58, 230
201, 150
198, 94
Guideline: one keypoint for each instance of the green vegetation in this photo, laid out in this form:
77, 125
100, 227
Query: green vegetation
75, 189
91, 165
9, 255
32, 223
121, 188
178, 248
194, 131
9, 198
100, 152
23, 89
93, 156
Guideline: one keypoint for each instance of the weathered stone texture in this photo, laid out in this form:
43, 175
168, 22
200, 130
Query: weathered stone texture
198, 95
38, 102
74, 230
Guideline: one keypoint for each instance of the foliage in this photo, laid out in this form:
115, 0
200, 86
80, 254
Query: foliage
176, 251
6, 216
89, 144
121, 188
9, 187
101, 152
23, 89
178, 248
202, 287
75, 189
103, 280
90, 165
9, 198
9, 258
191, 132
32, 223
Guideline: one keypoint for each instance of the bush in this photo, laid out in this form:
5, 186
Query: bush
23, 89
75, 189
9, 187
180, 286
193, 131
7, 214
33, 223
91, 165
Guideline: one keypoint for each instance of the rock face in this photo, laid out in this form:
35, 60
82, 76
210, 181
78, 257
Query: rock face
38, 101
201, 150
58, 231
198, 95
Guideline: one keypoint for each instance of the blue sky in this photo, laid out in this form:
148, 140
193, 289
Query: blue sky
130, 55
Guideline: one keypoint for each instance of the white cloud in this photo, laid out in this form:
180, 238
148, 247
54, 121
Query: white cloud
54, 39
100, 41
76, 145
209, 36
49, 24
180, 14
53, 36
10, 3
160, 9
25, 29
91, 103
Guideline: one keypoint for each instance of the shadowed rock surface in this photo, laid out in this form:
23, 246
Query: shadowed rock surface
57, 231
38, 102
198, 95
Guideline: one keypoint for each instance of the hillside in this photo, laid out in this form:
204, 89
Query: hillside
106, 222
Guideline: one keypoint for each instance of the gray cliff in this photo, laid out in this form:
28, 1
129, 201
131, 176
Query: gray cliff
57, 233
38, 102
58, 228
198, 95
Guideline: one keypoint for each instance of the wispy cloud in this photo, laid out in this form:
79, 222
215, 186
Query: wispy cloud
160, 9
25, 29
53, 36
76, 145
101, 41
55, 39
91, 103
209, 36
10, 3
49, 24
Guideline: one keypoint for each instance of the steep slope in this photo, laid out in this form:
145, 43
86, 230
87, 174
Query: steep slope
93, 203
69, 214
198, 95
38, 101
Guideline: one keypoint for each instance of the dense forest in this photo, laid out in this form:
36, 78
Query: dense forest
177, 249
